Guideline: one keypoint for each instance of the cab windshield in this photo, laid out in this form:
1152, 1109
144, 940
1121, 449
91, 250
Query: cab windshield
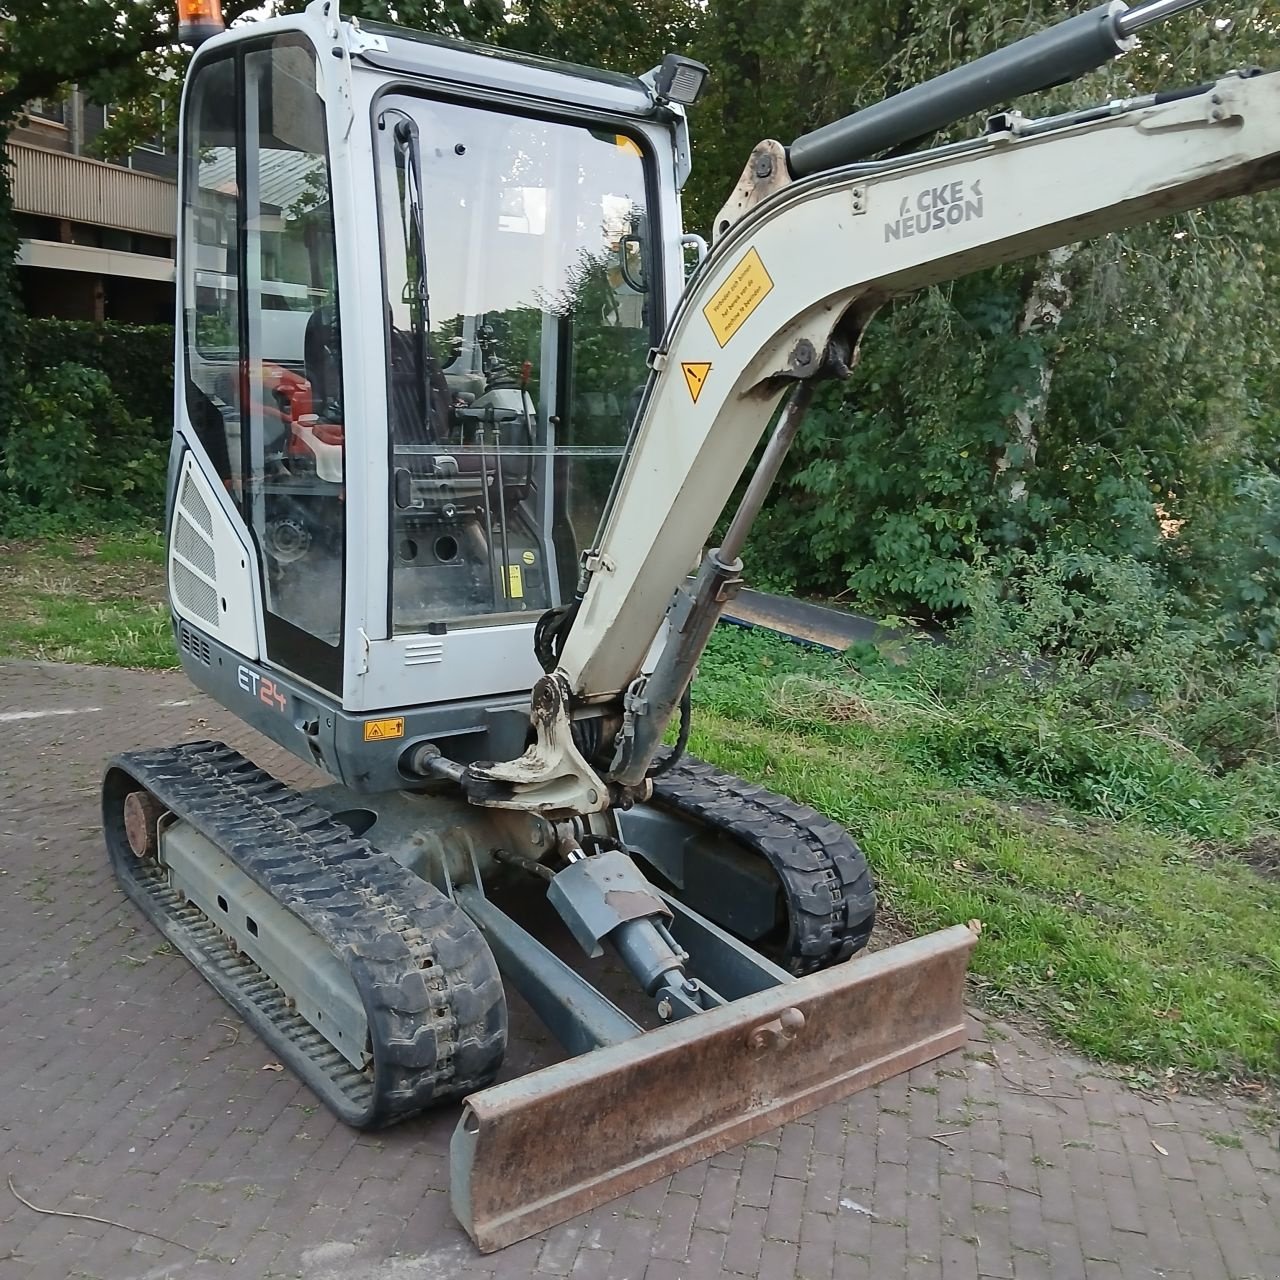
520, 315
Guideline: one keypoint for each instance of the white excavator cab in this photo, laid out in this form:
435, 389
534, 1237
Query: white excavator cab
419, 287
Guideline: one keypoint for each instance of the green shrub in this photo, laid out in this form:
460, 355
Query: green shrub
72, 454
48, 452
1243, 555
1009, 746
1071, 680
1097, 629
136, 359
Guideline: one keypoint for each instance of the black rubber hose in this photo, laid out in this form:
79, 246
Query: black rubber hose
550, 632
682, 737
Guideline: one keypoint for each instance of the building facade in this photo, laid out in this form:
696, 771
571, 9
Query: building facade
96, 239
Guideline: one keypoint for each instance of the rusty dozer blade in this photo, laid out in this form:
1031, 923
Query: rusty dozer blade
536, 1151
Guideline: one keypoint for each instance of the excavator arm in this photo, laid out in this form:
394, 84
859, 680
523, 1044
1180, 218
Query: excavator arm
782, 302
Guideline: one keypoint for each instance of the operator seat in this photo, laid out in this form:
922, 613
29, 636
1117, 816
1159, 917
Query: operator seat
409, 425
322, 361
445, 433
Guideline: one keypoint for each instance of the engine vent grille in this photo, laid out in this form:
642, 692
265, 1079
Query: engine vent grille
195, 594
194, 564
193, 505
420, 652
193, 548
194, 643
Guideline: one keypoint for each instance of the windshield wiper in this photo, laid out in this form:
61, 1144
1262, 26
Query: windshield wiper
408, 156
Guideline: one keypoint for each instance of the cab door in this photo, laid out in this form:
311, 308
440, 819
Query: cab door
262, 338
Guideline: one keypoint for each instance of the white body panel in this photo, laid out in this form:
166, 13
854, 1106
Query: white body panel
211, 574
422, 670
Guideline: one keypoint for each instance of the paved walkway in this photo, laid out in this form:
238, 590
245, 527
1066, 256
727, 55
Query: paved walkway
129, 1091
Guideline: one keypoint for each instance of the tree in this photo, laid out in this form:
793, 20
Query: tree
613, 34
1089, 399
119, 52
47, 45
1096, 398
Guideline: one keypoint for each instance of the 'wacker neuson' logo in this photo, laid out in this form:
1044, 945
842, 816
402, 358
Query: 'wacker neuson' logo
934, 208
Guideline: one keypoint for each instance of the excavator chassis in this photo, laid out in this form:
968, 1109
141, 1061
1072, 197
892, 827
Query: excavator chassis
381, 989
407, 964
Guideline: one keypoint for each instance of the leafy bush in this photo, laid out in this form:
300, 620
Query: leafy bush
1101, 636
71, 454
1242, 553
974, 429
1071, 681
136, 359
1097, 630
1008, 747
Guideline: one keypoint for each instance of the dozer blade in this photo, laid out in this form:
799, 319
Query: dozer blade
536, 1151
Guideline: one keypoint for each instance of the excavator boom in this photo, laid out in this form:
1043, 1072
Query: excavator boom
784, 299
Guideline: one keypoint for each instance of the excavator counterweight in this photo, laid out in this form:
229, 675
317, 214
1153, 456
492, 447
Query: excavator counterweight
451, 425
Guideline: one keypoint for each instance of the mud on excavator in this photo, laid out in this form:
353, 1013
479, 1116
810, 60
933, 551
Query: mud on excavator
454, 418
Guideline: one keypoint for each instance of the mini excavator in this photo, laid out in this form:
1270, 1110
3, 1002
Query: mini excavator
458, 406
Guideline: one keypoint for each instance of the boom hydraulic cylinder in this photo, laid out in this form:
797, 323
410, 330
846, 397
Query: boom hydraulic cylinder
1051, 57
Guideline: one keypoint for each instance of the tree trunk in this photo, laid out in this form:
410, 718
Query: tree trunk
1047, 301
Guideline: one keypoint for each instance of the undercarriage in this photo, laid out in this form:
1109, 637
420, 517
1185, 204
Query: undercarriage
365, 940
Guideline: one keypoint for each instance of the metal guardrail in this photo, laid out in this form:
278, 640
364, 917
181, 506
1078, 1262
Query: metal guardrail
54, 184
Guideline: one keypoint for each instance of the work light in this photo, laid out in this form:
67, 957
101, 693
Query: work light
198, 20
679, 79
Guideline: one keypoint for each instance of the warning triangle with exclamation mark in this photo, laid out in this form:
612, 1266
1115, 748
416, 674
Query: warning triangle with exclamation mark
695, 376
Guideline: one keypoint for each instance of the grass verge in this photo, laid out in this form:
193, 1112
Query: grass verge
1130, 939
93, 599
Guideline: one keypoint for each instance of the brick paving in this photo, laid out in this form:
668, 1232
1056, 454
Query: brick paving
129, 1091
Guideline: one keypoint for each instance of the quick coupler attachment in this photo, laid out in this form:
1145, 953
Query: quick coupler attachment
605, 897
536, 1151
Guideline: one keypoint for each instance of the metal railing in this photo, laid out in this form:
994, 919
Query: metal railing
54, 184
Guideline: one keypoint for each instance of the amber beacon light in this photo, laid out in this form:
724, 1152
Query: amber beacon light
198, 20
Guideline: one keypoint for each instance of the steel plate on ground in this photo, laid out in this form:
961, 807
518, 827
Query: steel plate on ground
536, 1151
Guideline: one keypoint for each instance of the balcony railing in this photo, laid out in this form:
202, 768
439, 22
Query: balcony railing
55, 185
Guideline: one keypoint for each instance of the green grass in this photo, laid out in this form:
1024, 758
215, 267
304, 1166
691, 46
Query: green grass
1129, 939
1109, 866
94, 599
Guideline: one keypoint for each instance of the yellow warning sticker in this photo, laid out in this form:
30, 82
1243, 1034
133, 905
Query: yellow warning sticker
384, 730
695, 374
515, 582
747, 286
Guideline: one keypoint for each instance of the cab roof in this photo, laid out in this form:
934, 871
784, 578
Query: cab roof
506, 71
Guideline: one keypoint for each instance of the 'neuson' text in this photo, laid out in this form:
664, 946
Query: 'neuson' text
934, 208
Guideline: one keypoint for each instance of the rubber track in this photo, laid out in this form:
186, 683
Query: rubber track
430, 986
826, 883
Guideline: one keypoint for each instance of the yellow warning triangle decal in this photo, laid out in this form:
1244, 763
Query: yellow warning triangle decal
695, 374
383, 730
